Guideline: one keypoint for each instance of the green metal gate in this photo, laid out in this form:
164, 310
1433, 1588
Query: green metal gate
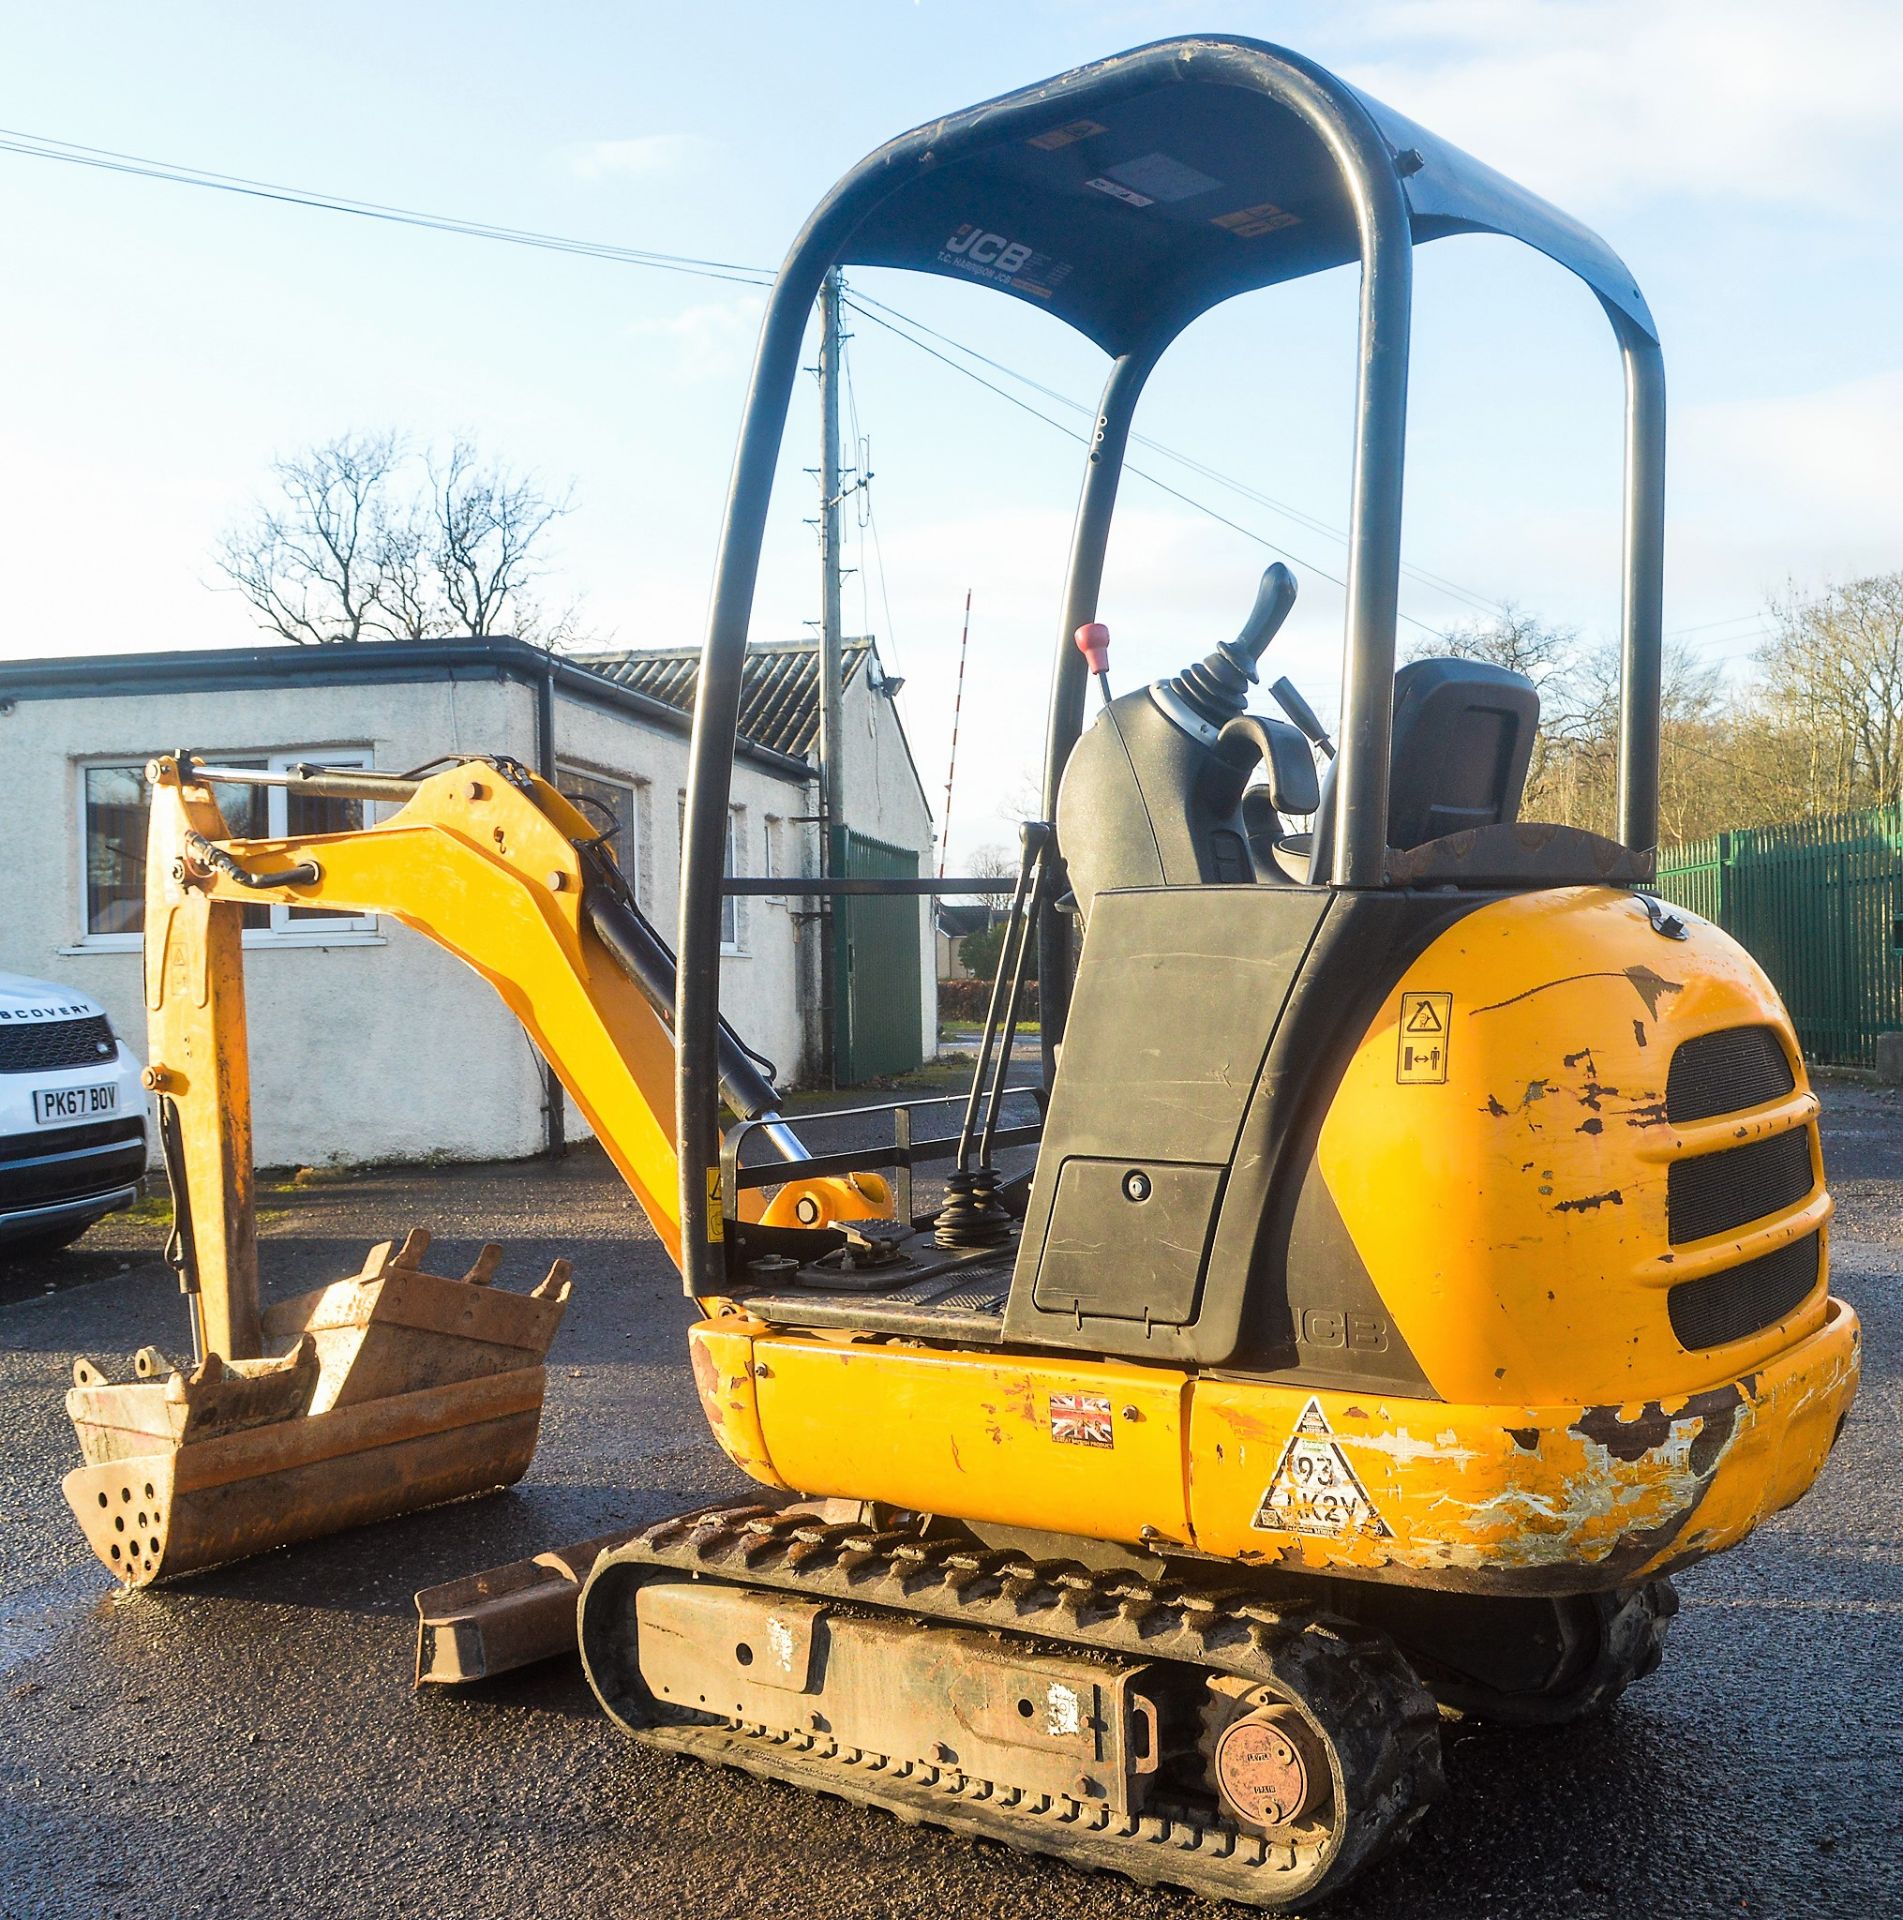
1819, 905
879, 1021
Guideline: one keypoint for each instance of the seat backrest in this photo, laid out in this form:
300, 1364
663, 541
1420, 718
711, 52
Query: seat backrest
1463, 739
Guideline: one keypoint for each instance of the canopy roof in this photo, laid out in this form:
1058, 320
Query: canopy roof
1130, 196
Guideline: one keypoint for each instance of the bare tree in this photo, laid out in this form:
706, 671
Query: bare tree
487, 545
1833, 684
314, 563
365, 541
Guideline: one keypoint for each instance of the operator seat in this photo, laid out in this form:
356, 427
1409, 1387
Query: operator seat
1463, 739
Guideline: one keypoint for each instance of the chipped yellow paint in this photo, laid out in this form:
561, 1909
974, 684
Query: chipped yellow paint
966, 1433
1513, 1218
1529, 1497
722, 1353
1484, 1498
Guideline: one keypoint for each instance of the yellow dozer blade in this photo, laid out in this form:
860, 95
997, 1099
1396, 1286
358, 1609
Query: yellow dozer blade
398, 1389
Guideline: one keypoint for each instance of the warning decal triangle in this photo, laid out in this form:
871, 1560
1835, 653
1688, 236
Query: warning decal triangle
1314, 1490
1424, 1019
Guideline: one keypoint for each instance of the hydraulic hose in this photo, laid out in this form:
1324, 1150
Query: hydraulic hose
648, 961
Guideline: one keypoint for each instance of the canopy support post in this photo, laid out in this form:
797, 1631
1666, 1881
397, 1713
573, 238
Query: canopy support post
1642, 645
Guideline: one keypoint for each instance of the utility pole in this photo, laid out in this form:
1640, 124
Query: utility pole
831, 669
958, 702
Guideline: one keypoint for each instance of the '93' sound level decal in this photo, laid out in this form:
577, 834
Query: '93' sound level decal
1314, 1490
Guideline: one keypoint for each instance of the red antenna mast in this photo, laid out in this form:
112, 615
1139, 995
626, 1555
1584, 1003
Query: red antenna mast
958, 700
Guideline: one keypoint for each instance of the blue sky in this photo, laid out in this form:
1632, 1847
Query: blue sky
162, 343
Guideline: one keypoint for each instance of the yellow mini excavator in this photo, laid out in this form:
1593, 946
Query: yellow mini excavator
1423, 1257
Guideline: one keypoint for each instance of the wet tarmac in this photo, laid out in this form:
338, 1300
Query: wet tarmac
246, 1743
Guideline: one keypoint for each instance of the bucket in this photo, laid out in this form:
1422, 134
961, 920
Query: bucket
398, 1389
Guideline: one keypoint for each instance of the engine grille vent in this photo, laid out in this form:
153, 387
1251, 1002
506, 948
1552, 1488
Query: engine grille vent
1719, 1191
1743, 1300
37, 1045
1725, 1072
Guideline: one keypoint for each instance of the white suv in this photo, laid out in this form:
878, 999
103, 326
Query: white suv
72, 1116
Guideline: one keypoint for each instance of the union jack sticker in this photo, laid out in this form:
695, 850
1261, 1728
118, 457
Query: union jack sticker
1082, 1420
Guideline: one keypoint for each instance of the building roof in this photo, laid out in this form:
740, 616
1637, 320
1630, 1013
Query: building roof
779, 703
779, 685
376, 662
955, 918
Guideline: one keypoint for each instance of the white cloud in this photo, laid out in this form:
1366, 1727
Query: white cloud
711, 341
647, 156
1809, 480
1606, 100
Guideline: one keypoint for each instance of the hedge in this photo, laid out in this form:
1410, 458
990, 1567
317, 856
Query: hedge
971, 1000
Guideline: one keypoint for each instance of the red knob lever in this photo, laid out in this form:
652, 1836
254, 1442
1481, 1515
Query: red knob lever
1093, 642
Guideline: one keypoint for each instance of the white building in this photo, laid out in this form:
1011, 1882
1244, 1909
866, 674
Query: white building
367, 1042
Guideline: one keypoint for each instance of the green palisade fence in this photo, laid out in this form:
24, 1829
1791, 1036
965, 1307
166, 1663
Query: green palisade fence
1819, 905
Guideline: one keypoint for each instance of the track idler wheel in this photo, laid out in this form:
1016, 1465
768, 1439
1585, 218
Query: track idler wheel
1270, 1768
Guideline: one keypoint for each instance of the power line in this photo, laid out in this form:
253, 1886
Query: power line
108, 160
1705, 626
140, 166
1142, 473
1480, 602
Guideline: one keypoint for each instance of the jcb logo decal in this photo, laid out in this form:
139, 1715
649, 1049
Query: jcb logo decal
996, 256
984, 249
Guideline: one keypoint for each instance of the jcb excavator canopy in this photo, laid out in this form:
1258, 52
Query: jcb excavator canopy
1132, 195
1126, 198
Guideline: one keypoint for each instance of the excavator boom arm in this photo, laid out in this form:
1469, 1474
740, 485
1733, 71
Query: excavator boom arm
482, 859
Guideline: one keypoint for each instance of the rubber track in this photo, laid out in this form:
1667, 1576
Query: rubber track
1382, 1722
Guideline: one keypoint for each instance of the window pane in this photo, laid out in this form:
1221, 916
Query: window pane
116, 802
308, 813
115, 849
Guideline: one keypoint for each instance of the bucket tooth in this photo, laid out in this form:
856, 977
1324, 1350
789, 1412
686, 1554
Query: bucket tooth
553, 1285
484, 1269
398, 1389
150, 1415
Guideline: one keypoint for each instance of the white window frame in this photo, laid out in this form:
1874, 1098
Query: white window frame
734, 903
773, 853
359, 930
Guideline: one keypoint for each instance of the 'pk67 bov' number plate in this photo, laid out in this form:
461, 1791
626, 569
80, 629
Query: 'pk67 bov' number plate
62, 1106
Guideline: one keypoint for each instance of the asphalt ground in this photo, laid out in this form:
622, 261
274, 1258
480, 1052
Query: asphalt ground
246, 1743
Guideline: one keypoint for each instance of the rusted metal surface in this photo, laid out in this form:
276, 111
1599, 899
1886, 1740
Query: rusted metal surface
1268, 1767
1360, 1701
504, 1617
400, 1389
392, 1328
1052, 1722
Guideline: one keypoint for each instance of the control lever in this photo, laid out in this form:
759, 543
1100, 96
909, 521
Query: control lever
1217, 686
1093, 642
1274, 599
1288, 697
